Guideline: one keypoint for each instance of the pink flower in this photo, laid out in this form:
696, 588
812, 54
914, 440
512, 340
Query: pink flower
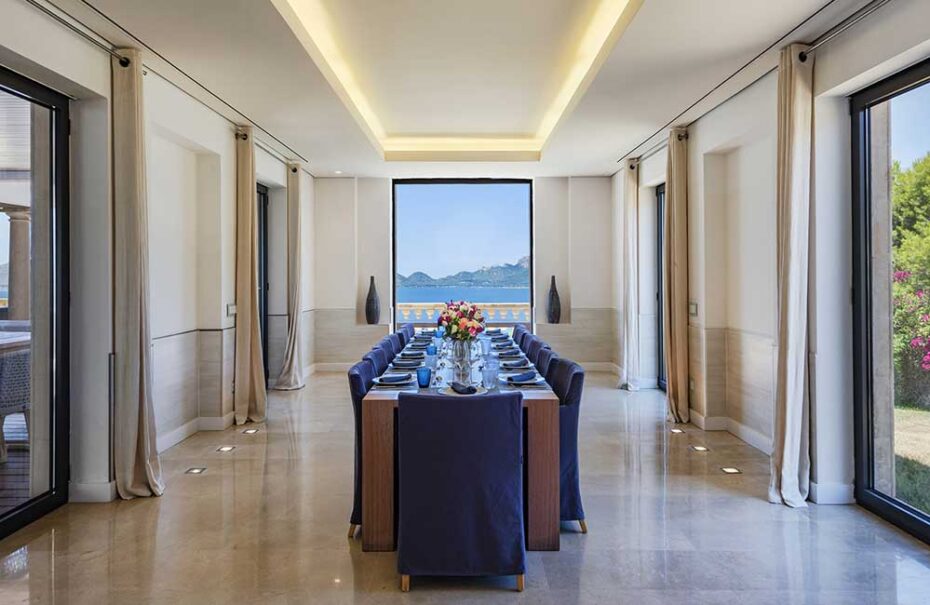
919, 293
900, 276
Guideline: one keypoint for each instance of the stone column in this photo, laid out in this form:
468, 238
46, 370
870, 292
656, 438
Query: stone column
20, 266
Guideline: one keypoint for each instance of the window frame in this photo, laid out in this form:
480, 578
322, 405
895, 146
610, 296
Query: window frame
897, 512
459, 181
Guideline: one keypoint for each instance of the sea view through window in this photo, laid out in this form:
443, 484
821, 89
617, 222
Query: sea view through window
462, 240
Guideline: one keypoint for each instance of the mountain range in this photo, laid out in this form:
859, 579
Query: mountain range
508, 275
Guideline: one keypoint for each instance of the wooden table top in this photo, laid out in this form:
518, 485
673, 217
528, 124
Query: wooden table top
533, 394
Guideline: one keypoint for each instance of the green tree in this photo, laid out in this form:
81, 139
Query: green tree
910, 193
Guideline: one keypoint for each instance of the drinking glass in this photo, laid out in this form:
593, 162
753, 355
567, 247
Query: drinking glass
423, 377
486, 346
489, 377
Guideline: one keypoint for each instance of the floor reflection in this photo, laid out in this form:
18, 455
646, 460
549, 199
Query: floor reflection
266, 523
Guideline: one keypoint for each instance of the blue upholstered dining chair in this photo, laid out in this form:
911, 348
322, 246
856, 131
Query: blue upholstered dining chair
568, 383
544, 362
396, 345
518, 331
385, 345
522, 338
534, 345
404, 339
409, 330
360, 381
460, 486
377, 359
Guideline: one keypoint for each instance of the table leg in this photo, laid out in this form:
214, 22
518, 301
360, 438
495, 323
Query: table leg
378, 475
543, 475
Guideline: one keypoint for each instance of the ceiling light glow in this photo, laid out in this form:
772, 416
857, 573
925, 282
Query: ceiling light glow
313, 26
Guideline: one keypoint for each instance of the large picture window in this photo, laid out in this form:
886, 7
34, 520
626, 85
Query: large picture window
463, 240
891, 273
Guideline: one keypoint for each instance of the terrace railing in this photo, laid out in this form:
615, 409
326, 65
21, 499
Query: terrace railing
496, 313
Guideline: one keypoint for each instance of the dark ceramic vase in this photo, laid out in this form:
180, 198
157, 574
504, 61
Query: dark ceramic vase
555, 304
372, 304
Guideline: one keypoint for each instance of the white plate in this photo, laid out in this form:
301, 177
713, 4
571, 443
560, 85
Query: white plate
449, 391
413, 378
538, 380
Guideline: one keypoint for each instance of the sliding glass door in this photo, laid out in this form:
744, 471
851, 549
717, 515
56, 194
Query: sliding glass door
33, 291
891, 233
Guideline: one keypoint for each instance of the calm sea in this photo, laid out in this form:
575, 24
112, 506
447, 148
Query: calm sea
478, 295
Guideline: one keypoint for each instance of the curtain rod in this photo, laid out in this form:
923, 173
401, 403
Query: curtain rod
124, 61
110, 50
842, 26
733, 75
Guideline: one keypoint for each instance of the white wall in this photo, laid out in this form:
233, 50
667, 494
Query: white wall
551, 238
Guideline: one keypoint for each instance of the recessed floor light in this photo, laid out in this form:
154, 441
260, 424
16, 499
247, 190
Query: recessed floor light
249, 431
731, 470
197, 470
699, 448
676, 431
226, 448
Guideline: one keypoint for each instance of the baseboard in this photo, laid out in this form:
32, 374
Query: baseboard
600, 366
215, 423
176, 436
104, 491
707, 423
750, 436
832, 493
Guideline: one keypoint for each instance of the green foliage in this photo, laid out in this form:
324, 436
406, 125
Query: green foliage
910, 193
912, 482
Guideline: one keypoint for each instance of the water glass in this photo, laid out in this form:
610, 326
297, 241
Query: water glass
489, 377
424, 375
486, 346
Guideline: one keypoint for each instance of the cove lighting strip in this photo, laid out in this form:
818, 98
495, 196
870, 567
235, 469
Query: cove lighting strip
311, 23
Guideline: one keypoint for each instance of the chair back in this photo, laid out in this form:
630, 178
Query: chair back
387, 348
377, 360
404, 339
544, 362
409, 330
15, 381
360, 381
460, 485
567, 381
518, 331
396, 345
533, 346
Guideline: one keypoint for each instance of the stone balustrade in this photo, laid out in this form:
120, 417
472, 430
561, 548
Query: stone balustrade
496, 313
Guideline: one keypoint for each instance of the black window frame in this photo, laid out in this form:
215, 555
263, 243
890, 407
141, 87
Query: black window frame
661, 378
60, 422
261, 201
457, 181
910, 519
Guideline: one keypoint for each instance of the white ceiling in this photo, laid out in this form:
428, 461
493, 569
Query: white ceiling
485, 68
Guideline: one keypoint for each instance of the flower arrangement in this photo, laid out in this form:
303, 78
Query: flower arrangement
461, 320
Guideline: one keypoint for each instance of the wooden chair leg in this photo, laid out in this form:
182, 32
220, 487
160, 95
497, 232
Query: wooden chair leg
584, 526
352, 529
404, 583
521, 582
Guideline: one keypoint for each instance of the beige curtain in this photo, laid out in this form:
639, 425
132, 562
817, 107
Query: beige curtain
675, 276
249, 400
291, 377
629, 363
138, 471
790, 479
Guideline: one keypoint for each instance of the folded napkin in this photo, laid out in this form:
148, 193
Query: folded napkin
524, 377
407, 363
504, 346
426, 334
509, 354
513, 365
418, 345
461, 389
501, 338
493, 331
413, 354
395, 379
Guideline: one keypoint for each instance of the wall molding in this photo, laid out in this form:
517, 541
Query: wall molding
176, 436
103, 491
709, 423
750, 436
832, 493
317, 368
216, 423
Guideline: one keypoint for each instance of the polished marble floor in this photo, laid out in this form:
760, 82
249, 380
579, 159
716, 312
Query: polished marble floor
266, 523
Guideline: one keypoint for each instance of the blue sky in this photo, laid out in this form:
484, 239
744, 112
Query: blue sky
445, 228
910, 126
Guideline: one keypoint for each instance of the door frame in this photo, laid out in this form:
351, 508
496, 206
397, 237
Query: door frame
661, 378
60, 429
899, 513
261, 200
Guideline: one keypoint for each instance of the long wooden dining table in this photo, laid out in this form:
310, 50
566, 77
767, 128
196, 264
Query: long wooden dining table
378, 467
